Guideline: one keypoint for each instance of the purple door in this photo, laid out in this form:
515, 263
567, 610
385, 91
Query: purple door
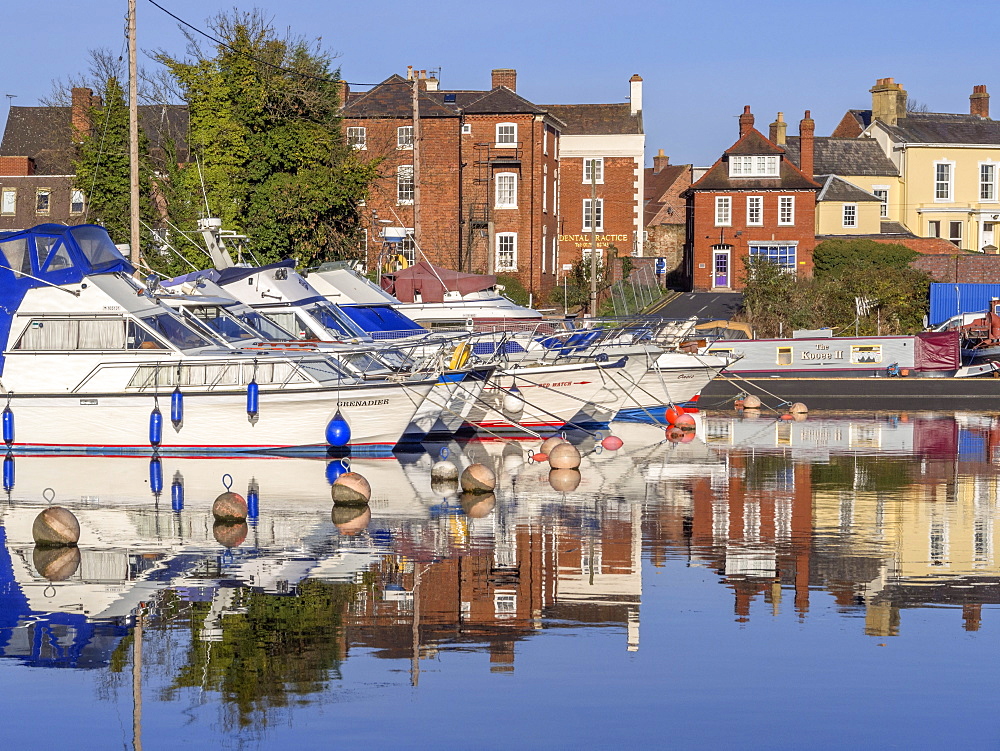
720, 268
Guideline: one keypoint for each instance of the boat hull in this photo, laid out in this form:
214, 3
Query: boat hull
852, 393
215, 422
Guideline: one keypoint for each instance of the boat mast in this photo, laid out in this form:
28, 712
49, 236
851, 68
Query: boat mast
133, 139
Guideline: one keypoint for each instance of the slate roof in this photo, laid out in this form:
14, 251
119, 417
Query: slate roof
393, 98
853, 123
753, 142
501, 101
934, 127
845, 156
654, 186
838, 189
597, 119
45, 134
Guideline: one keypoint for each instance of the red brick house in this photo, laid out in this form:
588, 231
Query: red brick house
497, 184
753, 202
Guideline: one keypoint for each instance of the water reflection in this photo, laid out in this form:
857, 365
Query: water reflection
881, 513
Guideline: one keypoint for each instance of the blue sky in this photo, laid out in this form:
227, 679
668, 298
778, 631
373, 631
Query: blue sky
700, 61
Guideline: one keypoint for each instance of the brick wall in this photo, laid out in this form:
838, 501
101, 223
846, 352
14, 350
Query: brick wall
704, 233
17, 166
618, 194
959, 268
26, 214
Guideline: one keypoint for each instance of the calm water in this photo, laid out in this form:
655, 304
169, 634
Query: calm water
831, 583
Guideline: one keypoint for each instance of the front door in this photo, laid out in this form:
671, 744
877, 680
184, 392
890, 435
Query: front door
988, 235
720, 268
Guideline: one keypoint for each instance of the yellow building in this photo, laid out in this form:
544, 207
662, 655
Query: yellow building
948, 164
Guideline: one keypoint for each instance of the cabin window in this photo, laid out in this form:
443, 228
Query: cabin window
784, 355
90, 334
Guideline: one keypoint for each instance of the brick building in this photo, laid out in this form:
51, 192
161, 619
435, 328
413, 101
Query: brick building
495, 180
665, 211
753, 202
37, 152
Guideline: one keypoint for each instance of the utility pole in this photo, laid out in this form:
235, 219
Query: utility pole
133, 138
416, 159
593, 236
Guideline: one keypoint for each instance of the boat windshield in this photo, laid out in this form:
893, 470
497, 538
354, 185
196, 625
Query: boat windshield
265, 328
338, 325
222, 323
175, 331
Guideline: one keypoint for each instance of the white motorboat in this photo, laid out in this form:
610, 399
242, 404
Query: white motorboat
90, 357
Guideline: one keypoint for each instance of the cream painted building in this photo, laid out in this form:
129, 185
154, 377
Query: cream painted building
949, 166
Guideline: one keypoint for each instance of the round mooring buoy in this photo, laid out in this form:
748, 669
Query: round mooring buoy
56, 564
671, 414
56, 526
798, 408
230, 507
549, 443
350, 520
685, 422
564, 480
477, 505
751, 402
444, 471
564, 456
230, 534
478, 478
351, 489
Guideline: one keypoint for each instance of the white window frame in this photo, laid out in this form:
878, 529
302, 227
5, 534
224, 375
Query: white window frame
506, 135
585, 256
786, 211
991, 183
599, 206
505, 190
754, 165
545, 191
849, 216
545, 140
956, 240
404, 138
466, 129
545, 242
934, 228
723, 211
883, 209
357, 137
755, 206
404, 175
47, 192
947, 185
75, 193
408, 248
595, 163
8, 207
508, 239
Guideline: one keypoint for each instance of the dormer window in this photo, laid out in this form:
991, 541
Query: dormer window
754, 166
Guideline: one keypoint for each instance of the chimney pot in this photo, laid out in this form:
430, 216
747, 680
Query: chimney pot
807, 131
746, 121
979, 102
778, 130
660, 161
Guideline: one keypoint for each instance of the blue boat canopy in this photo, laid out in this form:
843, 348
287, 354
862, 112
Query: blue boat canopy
379, 318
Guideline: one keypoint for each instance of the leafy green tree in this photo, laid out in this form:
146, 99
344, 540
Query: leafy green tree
102, 167
270, 156
835, 258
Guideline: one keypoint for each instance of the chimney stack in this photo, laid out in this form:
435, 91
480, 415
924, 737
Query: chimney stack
345, 90
432, 82
807, 129
746, 121
82, 100
888, 101
505, 77
660, 161
778, 130
979, 102
635, 93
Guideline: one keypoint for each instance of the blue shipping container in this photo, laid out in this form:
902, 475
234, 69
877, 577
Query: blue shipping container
949, 300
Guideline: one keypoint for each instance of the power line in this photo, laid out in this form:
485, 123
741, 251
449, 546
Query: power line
259, 60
